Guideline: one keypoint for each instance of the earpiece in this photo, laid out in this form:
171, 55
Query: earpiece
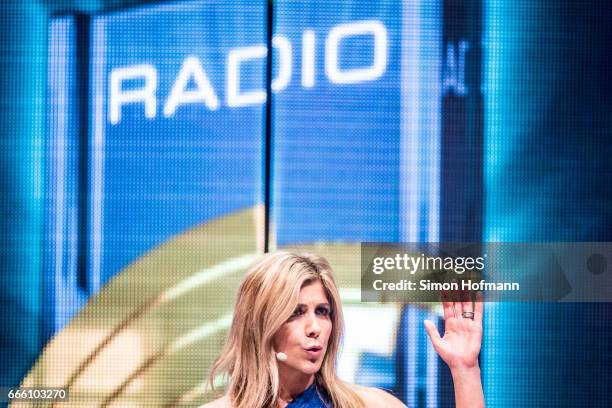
280, 356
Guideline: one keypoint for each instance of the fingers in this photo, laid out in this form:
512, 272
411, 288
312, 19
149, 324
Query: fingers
456, 302
466, 301
448, 304
432, 332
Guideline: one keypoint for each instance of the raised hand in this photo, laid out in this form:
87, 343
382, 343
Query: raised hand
460, 345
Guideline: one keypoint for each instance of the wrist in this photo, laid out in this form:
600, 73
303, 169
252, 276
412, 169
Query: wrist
465, 371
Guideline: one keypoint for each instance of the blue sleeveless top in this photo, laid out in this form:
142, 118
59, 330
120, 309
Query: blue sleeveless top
312, 397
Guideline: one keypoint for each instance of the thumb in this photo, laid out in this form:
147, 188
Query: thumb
432, 331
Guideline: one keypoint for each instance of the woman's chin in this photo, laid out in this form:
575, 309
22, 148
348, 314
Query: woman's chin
311, 367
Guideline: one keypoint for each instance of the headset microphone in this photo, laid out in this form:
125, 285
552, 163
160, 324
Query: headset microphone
280, 356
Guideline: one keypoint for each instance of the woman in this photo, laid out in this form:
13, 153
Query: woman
287, 325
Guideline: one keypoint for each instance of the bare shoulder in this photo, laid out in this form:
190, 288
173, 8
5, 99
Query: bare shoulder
223, 402
377, 398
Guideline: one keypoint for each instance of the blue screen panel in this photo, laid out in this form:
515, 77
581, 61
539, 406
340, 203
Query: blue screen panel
356, 128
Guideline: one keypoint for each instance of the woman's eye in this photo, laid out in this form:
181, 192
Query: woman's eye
297, 312
323, 311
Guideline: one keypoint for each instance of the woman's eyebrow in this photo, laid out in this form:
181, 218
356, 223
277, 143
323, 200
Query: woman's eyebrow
318, 304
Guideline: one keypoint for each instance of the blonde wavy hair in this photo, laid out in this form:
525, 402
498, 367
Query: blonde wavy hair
266, 298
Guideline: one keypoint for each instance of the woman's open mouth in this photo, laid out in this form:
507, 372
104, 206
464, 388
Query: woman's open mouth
314, 351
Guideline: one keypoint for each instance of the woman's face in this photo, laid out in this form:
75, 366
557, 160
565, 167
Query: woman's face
303, 338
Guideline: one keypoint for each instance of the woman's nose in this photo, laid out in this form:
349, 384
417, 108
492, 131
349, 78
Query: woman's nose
312, 327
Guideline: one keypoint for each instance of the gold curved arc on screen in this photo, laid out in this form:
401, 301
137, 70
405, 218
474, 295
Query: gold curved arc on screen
196, 335
135, 309
200, 278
